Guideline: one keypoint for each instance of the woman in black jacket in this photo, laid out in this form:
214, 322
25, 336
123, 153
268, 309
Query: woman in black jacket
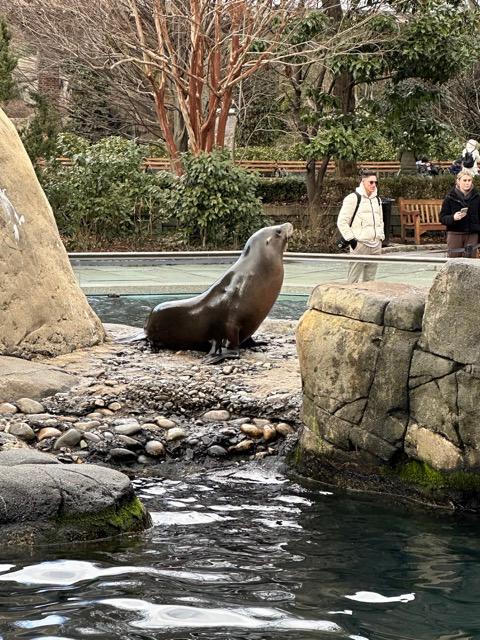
461, 214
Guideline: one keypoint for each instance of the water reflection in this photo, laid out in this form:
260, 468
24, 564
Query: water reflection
134, 309
246, 554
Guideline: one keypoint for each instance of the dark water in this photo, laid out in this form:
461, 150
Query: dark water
134, 310
247, 555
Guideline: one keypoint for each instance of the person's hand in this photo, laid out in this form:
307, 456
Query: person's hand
353, 243
458, 215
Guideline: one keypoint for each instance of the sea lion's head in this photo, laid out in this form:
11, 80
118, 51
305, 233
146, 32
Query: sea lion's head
271, 240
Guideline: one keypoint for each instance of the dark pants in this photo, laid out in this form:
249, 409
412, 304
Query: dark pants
457, 240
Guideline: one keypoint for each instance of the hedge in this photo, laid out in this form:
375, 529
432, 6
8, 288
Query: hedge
294, 189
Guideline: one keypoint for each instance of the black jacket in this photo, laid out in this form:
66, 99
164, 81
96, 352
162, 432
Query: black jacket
452, 203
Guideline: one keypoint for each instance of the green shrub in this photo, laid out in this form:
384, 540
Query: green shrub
293, 189
289, 189
106, 192
215, 201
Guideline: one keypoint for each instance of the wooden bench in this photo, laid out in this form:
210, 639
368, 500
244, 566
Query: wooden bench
420, 215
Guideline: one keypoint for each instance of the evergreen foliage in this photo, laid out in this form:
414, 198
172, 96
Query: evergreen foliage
40, 135
105, 192
8, 63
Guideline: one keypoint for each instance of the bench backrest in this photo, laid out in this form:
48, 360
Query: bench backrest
429, 209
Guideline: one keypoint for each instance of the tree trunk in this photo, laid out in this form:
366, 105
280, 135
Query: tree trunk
314, 182
407, 163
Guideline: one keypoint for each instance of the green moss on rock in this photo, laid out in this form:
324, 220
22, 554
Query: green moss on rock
424, 476
129, 517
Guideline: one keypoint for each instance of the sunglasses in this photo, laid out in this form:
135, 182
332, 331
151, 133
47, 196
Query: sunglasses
372, 181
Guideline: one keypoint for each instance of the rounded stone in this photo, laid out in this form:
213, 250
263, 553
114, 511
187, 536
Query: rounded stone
269, 433
242, 447
27, 406
91, 437
128, 428
155, 448
7, 408
175, 434
114, 406
216, 415
48, 432
284, 429
129, 442
260, 422
123, 455
21, 430
251, 430
69, 439
216, 451
165, 423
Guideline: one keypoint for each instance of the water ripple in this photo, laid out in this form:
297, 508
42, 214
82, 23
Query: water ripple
156, 616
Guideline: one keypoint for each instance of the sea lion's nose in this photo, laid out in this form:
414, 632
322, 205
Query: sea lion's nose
288, 229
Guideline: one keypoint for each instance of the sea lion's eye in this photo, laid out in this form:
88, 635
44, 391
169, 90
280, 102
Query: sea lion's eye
278, 232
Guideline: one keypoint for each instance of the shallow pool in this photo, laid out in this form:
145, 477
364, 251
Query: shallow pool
246, 554
134, 309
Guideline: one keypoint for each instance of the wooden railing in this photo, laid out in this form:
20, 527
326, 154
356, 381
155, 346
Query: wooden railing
279, 168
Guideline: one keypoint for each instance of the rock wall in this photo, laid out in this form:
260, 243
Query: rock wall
42, 308
391, 382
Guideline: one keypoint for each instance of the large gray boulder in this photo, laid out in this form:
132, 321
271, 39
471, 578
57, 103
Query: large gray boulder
355, 346
451, 328
42, 308
391, 386
44, 501
26, 379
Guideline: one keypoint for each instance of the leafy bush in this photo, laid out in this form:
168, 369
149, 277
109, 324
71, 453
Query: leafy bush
215, 201
289, 189
106, 192
40, 135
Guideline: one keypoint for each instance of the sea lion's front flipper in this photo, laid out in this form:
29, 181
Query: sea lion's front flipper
137, 337
251, 343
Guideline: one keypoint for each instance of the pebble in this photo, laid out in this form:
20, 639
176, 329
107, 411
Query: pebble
21, 430
69, 439
114, 406
242, 447
129, 428
216, 451
165, 423
155, 448
27, 405
129, 442
216, 415
261, 422
6, 408
86, 426
48, 432
175, 434
99, 402
123, 455
251, 430
91, 437
284, 429
269, 433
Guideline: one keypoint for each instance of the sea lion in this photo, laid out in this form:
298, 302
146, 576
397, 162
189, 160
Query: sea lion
231, 310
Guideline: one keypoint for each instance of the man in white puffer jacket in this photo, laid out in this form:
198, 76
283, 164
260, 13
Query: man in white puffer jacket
365, 233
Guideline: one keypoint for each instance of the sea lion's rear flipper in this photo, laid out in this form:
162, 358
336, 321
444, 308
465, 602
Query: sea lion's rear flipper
219, 353
137, 337
222, 355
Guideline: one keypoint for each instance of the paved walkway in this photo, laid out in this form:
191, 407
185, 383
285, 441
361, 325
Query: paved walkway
101, 278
